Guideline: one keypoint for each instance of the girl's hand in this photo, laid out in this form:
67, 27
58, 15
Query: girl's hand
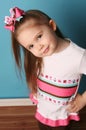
77, 104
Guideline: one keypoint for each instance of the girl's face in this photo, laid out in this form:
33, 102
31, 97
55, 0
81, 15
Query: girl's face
40, 40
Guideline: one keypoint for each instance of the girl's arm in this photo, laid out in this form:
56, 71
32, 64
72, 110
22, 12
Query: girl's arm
84, 97
78, 103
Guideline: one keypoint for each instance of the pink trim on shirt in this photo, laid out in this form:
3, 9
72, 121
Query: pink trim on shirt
59, 122
58, 91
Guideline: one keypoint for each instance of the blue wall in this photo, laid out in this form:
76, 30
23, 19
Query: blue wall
70, 16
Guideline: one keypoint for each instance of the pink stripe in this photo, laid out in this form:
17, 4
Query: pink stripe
61, 122
63, 92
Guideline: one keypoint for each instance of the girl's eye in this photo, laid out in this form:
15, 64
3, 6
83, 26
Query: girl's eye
39, 36
31, 46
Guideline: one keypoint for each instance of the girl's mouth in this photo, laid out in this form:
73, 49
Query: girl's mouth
46, 50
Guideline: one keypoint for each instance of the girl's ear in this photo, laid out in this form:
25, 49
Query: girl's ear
52, 24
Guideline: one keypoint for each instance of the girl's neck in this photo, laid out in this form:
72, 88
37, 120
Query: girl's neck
62, 44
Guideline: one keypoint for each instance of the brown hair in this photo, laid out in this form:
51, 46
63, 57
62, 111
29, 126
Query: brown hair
32, 64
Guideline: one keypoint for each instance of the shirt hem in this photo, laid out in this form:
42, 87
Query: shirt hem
58, 122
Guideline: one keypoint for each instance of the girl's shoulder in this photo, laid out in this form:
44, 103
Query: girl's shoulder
77, 49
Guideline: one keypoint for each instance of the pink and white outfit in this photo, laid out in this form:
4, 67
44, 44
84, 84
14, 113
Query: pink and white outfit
58, 84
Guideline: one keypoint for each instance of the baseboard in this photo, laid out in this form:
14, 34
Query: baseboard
16, 102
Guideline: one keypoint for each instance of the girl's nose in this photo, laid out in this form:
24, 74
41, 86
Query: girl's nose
41, 46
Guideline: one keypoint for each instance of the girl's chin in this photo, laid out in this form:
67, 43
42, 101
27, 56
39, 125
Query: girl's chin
48, 54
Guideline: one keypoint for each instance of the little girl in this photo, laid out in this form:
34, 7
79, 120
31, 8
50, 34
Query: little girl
53, 66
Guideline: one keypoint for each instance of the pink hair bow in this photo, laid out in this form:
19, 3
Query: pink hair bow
16, 14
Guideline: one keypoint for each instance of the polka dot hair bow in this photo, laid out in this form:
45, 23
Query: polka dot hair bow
15, 15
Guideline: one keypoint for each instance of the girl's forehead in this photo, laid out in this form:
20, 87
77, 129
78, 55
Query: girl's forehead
31, 27
31, 23
27, 24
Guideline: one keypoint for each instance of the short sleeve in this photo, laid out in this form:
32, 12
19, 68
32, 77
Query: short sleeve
82, 68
